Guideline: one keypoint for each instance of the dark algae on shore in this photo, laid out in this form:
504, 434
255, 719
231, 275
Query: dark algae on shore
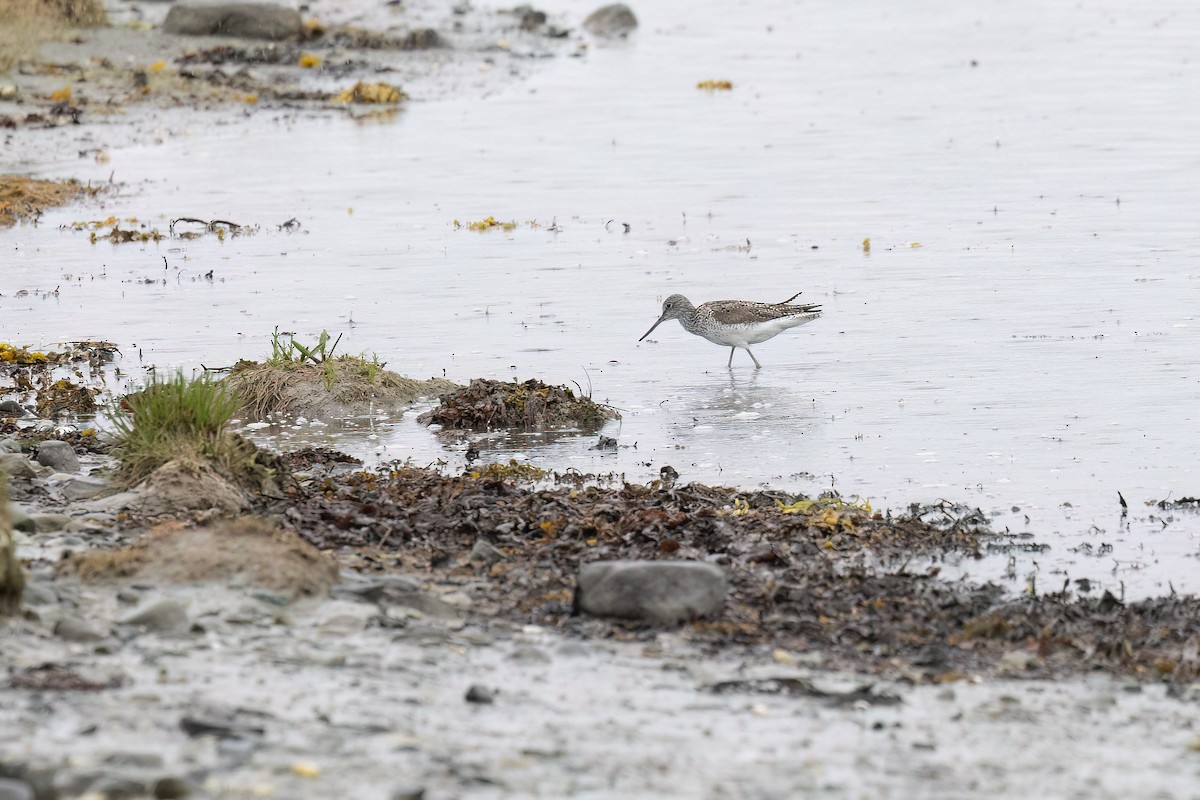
807, 575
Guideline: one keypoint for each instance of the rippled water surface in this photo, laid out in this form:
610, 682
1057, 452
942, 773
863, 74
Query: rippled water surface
1022, 334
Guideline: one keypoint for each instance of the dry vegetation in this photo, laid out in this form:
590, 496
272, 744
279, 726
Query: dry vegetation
334, 388
24, 198
28, 23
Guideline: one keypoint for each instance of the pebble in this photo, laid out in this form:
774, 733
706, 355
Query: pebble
13, 789
611, 21
39, 594
117, 787
75, 629
663, 592
17, 466
47, 523
128, 596
484, 552
376, 589
478, 693
344, 616
58, 455
163, 615
408, 793
21, 520
81, 487
134, 759
528, 654
1017, 661
221, 727
171, 788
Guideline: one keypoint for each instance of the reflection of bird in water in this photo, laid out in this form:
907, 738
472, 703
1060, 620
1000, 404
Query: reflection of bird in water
736, 323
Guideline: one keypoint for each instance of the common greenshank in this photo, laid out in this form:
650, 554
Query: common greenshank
736, 323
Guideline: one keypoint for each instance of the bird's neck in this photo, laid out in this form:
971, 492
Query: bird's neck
688, 317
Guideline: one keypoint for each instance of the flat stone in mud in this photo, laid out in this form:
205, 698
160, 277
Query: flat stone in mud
243, 20
77, 629
611, 21
162, 616
81, 487
662, 592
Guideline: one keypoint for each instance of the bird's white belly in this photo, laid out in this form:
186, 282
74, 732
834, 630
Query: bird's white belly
753, 333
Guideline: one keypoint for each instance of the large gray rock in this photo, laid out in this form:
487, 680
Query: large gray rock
17, 466
11, 408
610, 21
162, 616
82, 487
244, 20
662, 592
57, 454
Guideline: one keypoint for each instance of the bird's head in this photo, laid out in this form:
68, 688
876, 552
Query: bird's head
674, 307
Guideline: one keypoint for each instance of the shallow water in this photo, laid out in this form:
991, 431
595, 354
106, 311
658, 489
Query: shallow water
1021, 335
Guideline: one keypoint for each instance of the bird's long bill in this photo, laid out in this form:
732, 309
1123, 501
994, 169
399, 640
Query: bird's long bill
652, 327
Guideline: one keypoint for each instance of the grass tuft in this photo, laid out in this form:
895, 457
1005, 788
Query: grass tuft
176, 418
25, 24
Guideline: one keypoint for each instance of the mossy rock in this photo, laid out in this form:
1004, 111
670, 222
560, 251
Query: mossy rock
341, 387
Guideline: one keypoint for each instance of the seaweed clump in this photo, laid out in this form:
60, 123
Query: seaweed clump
532, 405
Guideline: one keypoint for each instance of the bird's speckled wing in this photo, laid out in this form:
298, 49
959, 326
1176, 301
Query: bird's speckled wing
744, 312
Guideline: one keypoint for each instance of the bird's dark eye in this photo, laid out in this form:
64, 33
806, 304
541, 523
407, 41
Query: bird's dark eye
668, 305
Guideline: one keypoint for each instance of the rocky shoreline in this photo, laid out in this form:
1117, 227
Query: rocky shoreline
179, 657
507, 632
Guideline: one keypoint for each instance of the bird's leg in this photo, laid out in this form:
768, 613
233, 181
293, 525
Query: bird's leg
730, 364
756, 364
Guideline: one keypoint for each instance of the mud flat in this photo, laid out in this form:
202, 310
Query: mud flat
406, 633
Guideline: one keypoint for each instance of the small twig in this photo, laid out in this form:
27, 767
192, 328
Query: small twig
331, 349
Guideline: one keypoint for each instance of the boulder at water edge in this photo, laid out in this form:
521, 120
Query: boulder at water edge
662, 592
